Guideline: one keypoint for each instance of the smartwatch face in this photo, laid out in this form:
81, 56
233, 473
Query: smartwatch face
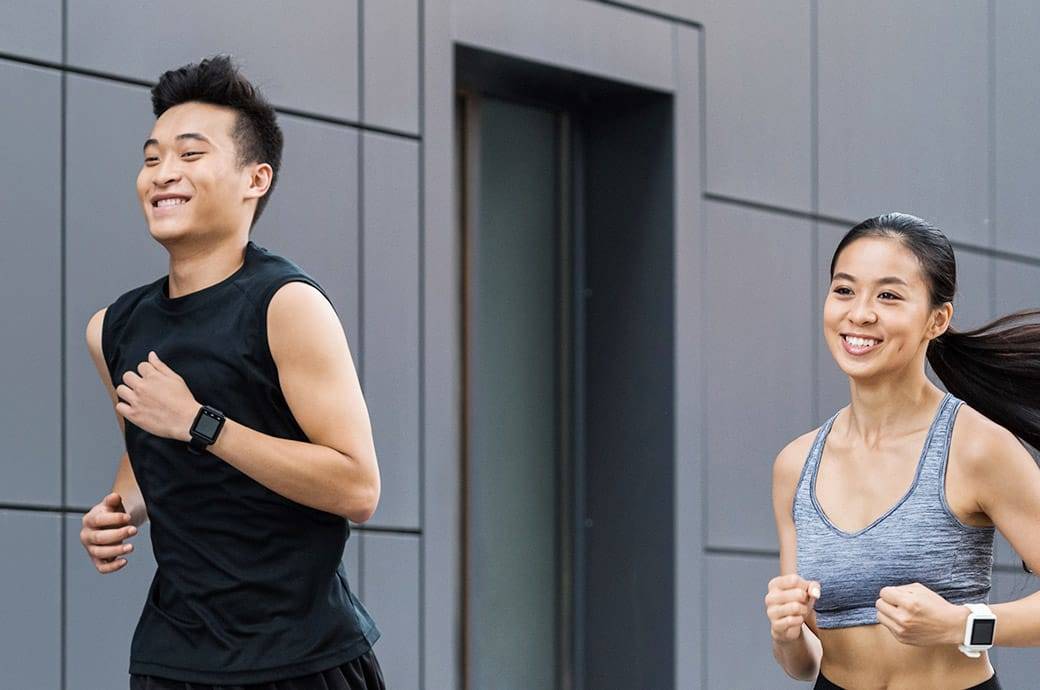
982, 631
207, 425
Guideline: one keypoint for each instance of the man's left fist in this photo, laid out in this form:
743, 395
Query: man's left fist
156, 399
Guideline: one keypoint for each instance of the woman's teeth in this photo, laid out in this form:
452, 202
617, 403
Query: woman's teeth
860, 342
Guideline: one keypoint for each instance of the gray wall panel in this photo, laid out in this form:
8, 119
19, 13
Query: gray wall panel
391, 320
689, 491
31, 28
758, 99
739, 651
108, 252
832, 383
441, 398
312, 216
303, 59
30, 285
102, 610
391, 595
1016, 667
1017, 109
903, 117
581, 36
30, 600
391, 64
758, 338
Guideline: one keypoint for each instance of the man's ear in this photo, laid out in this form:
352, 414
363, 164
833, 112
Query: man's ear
260, 179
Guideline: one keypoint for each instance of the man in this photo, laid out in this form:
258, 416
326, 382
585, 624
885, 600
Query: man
248, 439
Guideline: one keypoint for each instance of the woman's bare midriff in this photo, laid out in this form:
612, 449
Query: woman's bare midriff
867, 657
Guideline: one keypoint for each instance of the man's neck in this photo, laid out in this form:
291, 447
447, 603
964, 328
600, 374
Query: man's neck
196, 268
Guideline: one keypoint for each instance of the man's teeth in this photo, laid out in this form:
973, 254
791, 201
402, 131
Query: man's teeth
860, 342
170, 202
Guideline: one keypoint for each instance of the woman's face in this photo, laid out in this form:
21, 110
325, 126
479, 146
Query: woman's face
878, 318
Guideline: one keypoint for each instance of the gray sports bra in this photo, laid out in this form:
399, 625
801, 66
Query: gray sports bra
918, 540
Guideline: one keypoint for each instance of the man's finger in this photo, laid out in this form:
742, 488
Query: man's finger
113, 500
159, 364
105, 537
886, 608
109, 567
814, 590
126, 393
108, 520
890, 624
107, 553
145, 369
131, 379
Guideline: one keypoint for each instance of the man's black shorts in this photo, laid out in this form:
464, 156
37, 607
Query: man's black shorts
363, 673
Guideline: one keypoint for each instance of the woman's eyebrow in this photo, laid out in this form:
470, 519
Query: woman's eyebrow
887, 280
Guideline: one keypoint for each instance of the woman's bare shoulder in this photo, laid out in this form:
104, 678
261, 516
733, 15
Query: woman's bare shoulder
791, 459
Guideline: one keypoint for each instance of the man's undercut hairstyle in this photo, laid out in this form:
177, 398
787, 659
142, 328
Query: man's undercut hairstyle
217, 81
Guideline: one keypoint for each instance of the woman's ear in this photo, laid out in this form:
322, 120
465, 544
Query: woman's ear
941, 318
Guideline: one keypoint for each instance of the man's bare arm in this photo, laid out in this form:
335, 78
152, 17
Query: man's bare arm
336, 471
125, 483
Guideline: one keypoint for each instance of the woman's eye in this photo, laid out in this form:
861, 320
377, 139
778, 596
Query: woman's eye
150, 159
888, 296
842, 291
192, 153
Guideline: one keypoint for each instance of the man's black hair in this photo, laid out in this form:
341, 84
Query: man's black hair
217, 81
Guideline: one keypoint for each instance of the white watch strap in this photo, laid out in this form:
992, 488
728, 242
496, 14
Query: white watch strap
980, 609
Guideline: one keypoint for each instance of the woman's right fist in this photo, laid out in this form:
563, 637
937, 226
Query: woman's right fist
105, 528
789, 603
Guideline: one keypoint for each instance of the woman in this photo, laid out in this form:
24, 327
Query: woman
886, 513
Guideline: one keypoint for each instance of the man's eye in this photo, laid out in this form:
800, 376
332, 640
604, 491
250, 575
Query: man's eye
151, 159
192, 153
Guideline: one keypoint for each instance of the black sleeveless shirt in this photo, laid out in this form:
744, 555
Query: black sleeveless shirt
249, 586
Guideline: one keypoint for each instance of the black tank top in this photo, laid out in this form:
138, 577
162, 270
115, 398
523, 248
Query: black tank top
249, 586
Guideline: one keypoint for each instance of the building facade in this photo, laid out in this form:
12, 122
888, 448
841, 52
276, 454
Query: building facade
579, 249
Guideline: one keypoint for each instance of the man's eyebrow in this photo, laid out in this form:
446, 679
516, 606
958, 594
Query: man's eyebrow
887, 280
179, 137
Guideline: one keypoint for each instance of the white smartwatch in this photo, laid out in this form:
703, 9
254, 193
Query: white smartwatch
978, 630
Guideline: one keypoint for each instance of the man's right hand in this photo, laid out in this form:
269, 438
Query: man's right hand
105, 528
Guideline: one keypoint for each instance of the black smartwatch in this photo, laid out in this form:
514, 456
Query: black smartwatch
205, 429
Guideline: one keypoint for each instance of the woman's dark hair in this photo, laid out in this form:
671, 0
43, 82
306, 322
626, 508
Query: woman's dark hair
995, 368
217, 81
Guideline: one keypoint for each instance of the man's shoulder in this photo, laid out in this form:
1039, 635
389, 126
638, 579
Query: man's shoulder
131, 298
270, 272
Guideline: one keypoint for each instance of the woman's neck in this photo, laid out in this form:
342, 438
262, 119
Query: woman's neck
897, 405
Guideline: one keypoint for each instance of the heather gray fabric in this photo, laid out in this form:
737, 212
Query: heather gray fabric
918, 540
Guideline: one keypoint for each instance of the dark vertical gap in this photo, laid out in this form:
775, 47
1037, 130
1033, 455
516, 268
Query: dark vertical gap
422, 346
361, 197
361, 256
702, 84
991, 55
814, 185
64, 344
577, 387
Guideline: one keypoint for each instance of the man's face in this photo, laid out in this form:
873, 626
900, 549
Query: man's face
191, 184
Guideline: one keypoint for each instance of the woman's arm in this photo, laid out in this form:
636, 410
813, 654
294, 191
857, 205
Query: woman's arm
798, 653
1007, 482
